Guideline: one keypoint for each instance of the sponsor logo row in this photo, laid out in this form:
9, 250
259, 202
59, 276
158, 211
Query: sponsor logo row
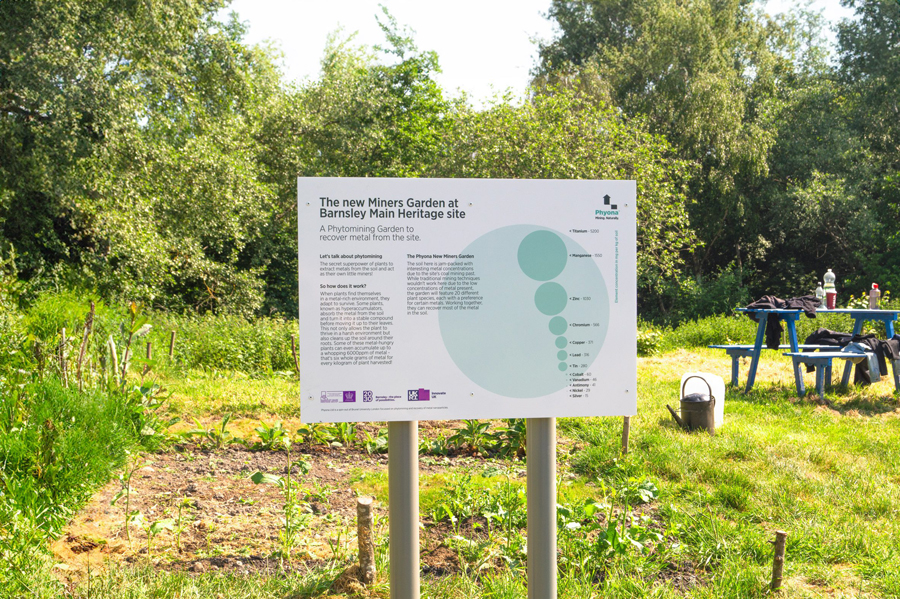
367, 396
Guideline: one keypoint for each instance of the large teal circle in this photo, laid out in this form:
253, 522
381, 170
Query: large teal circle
558, 325
505, 346
551, 298
562, 355
561, 342
542, 255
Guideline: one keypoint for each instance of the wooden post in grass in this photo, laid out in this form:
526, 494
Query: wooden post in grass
88, 325
364, 526
778, 561
171, 346
626, 429
113, 359
62, 358
149, 357
294, 353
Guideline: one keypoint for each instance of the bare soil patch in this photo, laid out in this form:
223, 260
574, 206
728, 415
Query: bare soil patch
230, 523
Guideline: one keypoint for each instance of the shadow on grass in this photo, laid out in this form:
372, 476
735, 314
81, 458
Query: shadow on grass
854, 400
865, 405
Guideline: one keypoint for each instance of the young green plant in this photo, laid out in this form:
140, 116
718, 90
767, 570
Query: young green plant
291, 505
154, 528
125, 491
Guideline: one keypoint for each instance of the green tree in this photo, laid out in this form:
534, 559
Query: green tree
373, 112
563, 133
749, 99
130, 153
179, 201
70, 71
870, 72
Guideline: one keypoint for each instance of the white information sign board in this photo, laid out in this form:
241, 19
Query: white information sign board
432, 299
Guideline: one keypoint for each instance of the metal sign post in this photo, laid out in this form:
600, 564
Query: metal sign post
541, 469
403, 508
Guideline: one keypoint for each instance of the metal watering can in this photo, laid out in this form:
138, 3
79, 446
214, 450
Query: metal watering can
697, 409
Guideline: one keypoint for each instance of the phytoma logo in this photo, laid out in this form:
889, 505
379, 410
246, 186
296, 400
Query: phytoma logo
611, 214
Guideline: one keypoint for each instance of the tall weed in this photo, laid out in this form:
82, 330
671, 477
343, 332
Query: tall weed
712, 330
63, 446
227, 342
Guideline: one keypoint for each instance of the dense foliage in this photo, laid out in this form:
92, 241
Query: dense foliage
797, 155
148, 153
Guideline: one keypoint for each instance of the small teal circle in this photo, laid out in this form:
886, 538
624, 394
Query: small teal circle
561, 355
563, 366
550, 298
558, 325
542, 255
561, 342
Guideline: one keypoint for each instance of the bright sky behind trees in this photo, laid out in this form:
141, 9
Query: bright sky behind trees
482, 44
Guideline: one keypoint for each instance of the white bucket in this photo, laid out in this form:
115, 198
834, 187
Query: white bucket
716, 383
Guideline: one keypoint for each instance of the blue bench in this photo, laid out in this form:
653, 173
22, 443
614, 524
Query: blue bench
748, 351
822, 362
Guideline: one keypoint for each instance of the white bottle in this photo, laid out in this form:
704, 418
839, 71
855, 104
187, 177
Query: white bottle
874, 296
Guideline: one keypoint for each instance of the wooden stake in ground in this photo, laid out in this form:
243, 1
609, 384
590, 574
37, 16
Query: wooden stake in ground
171, 346
149, 357
778, 561
62, 358
626, 429
113, 359
88, 325
364, 527
294, 352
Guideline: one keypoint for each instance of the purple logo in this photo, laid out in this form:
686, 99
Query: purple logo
368, 396
418, 395
349, 396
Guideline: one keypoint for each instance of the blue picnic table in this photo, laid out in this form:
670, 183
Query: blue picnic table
790, 317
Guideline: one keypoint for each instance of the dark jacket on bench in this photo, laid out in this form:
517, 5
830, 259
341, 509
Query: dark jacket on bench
884, 349
807, 303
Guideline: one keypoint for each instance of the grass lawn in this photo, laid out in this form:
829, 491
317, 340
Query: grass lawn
690, 515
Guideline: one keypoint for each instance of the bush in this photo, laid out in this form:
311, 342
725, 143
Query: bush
689, 298
227, 342
209, 341
713, 330
649, 339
